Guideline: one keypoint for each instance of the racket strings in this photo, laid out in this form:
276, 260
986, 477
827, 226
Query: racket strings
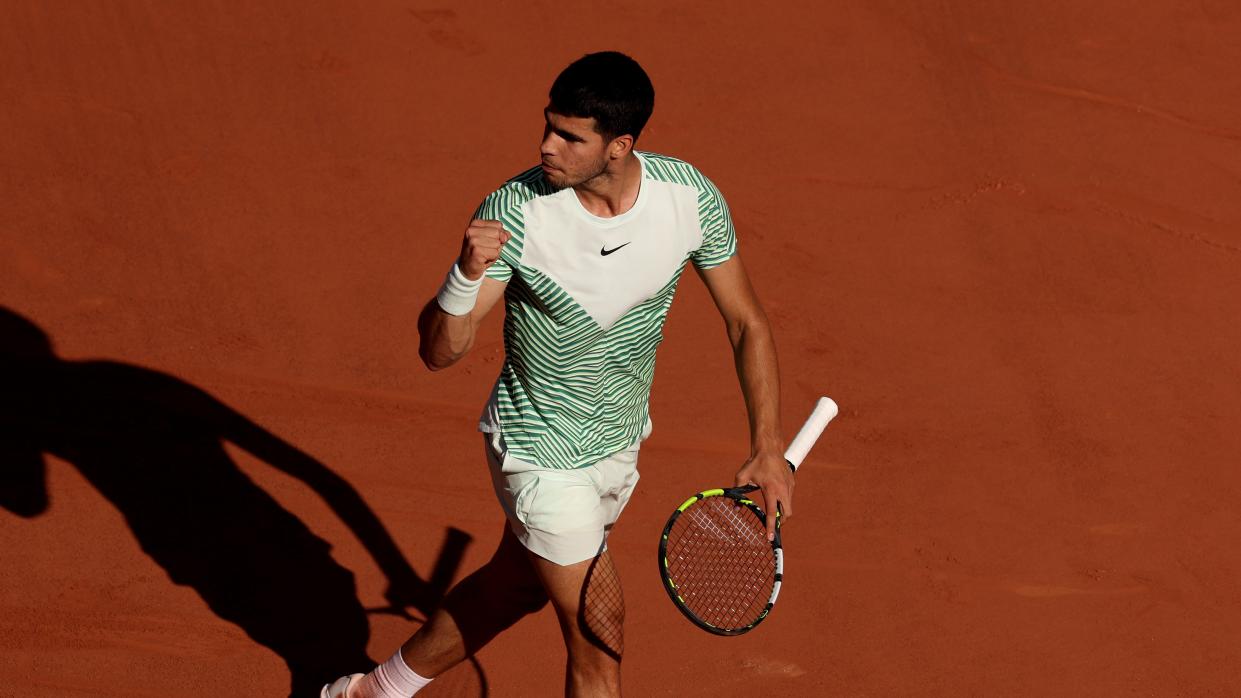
721, 562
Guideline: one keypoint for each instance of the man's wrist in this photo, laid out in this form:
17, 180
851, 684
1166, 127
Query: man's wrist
767, 443
458, 293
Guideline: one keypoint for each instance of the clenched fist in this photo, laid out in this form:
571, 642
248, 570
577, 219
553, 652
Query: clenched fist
481, 247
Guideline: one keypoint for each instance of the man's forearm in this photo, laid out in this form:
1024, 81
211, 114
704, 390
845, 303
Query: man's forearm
442, 338
447, 324
754, 351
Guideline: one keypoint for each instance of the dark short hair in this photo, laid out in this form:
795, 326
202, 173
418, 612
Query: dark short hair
610, 88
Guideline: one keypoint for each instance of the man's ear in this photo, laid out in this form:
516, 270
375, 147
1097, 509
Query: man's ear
620, 147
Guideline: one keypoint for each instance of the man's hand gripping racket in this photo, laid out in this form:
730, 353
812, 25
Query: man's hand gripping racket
716, 562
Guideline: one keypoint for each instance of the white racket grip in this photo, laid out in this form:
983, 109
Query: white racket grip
824, 411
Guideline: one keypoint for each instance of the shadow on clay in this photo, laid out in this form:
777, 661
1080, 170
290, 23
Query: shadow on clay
153, 446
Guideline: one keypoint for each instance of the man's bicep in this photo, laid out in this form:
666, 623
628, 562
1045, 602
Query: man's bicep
489, 294
730, 288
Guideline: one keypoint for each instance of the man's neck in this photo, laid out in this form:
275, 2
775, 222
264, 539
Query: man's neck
614, 191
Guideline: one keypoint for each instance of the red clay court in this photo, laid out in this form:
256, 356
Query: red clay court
1005, 237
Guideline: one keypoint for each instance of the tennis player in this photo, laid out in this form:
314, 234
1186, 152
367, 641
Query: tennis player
586, 250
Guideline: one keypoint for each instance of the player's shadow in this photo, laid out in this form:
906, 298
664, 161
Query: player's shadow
153, 445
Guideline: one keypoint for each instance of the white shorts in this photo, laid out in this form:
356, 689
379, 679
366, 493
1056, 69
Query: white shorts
562, 515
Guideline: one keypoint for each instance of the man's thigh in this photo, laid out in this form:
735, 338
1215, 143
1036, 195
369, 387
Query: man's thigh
588, 602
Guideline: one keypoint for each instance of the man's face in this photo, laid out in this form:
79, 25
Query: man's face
572, 150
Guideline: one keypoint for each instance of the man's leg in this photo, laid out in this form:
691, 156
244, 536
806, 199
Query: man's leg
518, 581
586, 596
481, 606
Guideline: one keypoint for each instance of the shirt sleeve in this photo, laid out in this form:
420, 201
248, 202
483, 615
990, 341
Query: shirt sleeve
719, 239
499, 207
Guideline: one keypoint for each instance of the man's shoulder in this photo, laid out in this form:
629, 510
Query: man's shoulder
507, 204
525, 186
673, 170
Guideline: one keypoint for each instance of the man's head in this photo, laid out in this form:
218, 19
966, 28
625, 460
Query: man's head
597, 108
610, 88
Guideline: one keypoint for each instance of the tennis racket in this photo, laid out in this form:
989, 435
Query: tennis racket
717, 565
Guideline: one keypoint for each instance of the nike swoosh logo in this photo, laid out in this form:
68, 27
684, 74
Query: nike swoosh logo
605, 251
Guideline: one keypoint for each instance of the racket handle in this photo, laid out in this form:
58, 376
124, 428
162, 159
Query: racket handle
824, 411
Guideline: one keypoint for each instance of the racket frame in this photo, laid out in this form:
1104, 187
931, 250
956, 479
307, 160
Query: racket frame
739, 495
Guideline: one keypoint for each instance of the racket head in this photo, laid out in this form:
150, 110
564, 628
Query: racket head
716, 563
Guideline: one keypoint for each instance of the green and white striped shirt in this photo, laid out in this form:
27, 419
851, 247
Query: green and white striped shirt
585, 306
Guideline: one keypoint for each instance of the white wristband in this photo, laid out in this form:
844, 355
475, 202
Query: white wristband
458, 293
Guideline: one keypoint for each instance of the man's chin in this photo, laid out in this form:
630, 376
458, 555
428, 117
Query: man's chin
555, 181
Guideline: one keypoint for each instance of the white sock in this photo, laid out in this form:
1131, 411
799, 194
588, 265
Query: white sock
392, 679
